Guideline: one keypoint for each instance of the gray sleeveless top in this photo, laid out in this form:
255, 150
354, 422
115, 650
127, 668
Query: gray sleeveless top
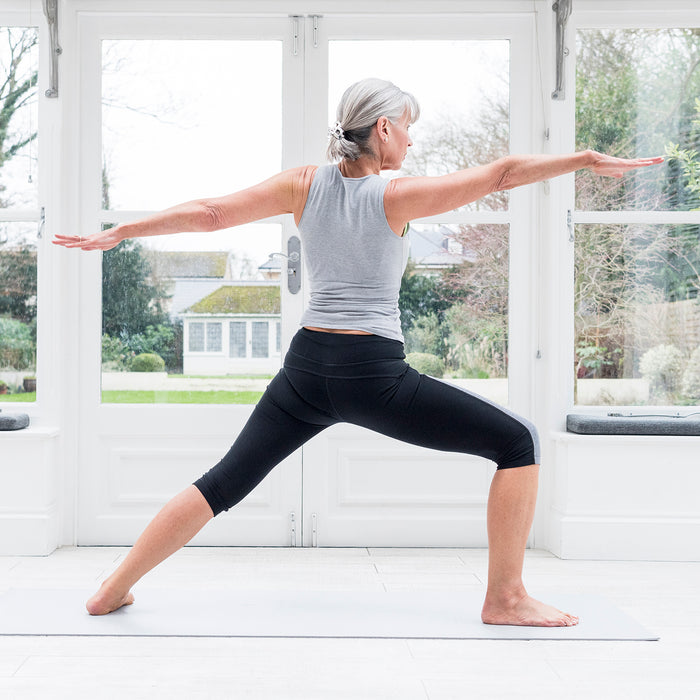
354, 260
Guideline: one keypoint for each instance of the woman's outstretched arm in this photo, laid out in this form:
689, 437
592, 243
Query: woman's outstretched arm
410, 198
282, 194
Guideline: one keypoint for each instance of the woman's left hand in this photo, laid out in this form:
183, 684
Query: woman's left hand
104, 240
611, 166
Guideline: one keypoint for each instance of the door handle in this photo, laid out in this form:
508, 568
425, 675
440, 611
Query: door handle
293, 257
294, 264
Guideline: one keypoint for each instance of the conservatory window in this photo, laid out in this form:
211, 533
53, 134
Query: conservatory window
637, 240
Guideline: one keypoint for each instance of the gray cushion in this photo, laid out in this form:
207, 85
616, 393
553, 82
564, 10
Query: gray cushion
633, 425
13, 421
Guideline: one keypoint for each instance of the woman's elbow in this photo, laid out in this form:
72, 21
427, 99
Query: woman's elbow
504, 174
209, 216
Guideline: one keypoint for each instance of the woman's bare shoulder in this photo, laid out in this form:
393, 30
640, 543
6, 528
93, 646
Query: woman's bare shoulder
301, 179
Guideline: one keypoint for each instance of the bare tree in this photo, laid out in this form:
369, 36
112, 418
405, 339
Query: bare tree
17, 89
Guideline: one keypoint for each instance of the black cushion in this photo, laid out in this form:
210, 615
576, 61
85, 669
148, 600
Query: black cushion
633, 425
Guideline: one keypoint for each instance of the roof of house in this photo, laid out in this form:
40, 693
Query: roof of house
201, 264
430, 248
240, 299
188, 291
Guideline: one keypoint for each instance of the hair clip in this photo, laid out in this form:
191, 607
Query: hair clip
336, 131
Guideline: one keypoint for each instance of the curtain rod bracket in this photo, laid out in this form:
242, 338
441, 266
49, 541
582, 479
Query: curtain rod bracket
562, 8
51, 12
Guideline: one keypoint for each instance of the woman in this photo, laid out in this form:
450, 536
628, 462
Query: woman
346, 363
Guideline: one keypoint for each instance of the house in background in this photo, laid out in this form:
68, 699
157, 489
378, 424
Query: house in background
435, 248
235, 329
186, 277
232, 326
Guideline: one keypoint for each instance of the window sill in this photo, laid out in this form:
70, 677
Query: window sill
41, 432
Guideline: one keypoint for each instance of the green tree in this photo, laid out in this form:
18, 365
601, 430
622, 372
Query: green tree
18, 283
17, 344
419, 296
432, 323
634, 89
130, 302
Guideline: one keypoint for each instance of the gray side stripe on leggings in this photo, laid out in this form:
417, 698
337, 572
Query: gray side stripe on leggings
531, 428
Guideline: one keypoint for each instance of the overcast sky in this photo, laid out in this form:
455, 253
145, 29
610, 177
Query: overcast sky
211, 135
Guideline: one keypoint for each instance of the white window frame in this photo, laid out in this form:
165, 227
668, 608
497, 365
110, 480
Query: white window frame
617, 14
522, 312
27, 13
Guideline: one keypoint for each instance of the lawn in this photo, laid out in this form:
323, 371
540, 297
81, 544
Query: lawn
246, 397
240, 397
24, 397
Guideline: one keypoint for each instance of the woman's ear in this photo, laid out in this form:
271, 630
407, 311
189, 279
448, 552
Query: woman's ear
383, 129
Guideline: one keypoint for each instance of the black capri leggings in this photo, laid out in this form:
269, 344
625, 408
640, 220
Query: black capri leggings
331, 378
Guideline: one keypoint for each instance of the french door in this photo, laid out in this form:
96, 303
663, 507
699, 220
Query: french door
177, 108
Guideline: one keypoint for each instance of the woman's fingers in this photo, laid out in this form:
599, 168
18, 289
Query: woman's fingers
617, 167
98, 242
69, 241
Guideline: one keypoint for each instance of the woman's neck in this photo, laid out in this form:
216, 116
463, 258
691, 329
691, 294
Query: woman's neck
359, 168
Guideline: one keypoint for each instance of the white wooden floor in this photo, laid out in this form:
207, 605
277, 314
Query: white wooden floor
665, 597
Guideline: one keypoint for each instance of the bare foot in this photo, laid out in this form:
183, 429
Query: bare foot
525, 611
105, 601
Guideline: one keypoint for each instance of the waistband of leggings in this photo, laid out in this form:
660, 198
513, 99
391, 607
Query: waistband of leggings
345, 355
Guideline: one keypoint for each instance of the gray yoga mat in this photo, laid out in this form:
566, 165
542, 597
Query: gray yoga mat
243, 613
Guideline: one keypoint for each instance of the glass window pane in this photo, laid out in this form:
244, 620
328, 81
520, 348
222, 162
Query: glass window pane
237, 339
196, 337
278, 337
213, 337
176, 112
18, 268
454, 305
637, 315
464, 111
19, 117
170, 131
636, 95
261, 339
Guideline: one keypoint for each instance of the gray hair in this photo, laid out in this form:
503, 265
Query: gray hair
358, 111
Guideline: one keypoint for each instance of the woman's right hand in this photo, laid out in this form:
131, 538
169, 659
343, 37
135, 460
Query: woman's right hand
611, 166
104, 240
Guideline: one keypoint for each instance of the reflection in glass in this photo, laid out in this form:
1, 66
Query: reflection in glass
637, 314
637, 95
213, 337
237, 341
18, 286
196, 336
261, 338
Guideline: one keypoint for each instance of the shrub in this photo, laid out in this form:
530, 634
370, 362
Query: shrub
147, 362
426, 336
426, 363
113, 349
662, 367
690, 385
17, 348
160, 340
